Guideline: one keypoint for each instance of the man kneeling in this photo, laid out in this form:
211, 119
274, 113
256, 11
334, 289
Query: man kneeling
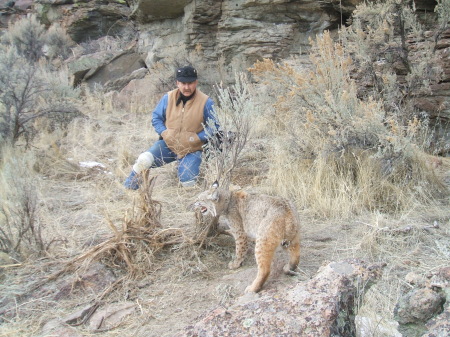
179, 120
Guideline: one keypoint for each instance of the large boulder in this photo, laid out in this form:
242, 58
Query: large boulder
117, 72
425, 309
112, 70
86, 20
323, 306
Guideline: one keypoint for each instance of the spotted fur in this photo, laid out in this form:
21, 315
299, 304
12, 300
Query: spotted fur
270, 221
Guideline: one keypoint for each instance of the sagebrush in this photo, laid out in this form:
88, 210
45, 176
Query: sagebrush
31, 87
353, 155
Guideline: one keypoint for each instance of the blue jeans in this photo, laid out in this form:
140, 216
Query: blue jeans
188, 166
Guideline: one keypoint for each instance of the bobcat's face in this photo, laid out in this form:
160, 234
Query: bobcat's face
207, 201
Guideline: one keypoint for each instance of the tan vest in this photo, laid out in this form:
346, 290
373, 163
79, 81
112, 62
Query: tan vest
184, 122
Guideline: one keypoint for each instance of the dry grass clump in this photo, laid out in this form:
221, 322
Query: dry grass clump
51, 163
413, 248
137, 240
352, 154
21, 232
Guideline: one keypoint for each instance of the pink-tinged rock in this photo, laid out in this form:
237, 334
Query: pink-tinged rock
323, 306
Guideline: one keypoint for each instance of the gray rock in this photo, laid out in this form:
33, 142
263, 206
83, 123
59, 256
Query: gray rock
418, 305
425, 310
323, 306
151, 10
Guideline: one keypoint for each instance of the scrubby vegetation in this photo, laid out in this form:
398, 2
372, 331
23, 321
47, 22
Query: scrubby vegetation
30, 89
341, 137
21, 230
355, 155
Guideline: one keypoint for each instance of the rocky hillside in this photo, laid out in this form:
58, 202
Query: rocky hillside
374, 259
234, 33
239, 31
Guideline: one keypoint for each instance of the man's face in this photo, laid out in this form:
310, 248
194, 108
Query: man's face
187, 88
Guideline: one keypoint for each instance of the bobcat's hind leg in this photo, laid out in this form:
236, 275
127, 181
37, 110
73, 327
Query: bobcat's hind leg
294, 257
241, 242
264, 251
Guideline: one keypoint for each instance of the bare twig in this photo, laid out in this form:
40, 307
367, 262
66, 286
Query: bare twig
225, 145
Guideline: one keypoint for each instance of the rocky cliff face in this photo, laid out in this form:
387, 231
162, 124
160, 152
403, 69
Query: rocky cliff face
236, 32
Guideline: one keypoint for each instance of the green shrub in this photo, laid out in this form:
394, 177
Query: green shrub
234, 110
33, 41
58, 43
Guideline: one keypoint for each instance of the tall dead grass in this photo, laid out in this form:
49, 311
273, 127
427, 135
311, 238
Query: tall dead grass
21, 231
335, 153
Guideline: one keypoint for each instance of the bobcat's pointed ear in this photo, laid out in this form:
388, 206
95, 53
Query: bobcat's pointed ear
215, 196
215, 184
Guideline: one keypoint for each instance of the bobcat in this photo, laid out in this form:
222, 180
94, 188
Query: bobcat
270, 221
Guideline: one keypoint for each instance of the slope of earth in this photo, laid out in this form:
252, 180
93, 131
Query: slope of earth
79, 203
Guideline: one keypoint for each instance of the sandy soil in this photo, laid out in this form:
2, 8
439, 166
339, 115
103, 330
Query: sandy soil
182, 284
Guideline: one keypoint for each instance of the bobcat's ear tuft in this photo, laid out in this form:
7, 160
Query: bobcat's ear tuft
215, 184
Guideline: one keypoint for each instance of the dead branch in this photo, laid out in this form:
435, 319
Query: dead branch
226, 143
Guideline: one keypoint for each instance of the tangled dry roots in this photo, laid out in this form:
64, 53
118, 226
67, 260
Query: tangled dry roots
135, 242
141, 235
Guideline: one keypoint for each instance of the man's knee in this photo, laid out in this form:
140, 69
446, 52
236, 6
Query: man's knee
144, 161
188, 172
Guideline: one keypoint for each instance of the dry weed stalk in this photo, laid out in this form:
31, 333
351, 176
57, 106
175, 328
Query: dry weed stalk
134, 244
141, 235
225, 145
234, 114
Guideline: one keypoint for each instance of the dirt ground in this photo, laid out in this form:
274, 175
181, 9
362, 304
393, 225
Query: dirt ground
184, 283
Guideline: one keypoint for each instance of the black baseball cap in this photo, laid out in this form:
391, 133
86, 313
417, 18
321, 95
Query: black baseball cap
186, 74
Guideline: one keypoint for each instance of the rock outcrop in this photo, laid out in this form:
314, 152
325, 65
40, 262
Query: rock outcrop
323, 306
153, 10
86, 20
230, 32
425, 309
237, 31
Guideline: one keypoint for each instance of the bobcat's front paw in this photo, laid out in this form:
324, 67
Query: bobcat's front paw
234, 264
252, 289
288, 270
